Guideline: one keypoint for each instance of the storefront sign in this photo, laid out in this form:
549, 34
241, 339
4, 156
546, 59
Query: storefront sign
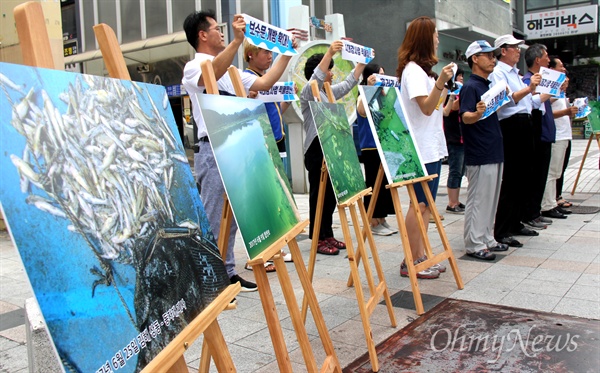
357, 53
561, 22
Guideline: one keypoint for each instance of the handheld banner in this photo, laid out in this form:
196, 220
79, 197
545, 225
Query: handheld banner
251, 169
386, 81
357, 53
551, 82
458, 86
104, 211
583, 109
391, 131
266, 36
495, 98
280, 92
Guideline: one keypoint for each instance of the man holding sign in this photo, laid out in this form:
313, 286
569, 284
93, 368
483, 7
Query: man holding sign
484, 155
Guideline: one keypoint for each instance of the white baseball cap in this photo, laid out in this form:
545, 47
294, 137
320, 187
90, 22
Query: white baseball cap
507, 39
479, 46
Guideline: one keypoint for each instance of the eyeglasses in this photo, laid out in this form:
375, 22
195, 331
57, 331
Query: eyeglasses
513, 46
489, 55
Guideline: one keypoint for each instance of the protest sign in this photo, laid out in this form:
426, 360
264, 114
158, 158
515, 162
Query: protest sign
357, 53
280, 92
495, 98
386, 81
583, 108
268, 37
551, 81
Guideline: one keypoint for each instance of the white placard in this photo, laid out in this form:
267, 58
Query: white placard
357, 53
551, 81
495, 98
266, 36
280, 92
386, 81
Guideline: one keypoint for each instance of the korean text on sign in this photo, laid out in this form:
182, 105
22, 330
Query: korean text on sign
495, 98
386, 81
280, 92
266, 36
551, 81
357, 53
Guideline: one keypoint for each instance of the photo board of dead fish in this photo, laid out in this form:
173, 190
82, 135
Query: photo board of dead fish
102, 206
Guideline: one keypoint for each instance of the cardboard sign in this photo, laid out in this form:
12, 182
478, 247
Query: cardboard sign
495, 98
583, 108
280, 92
386, 81
551, 81
357, 53
266, 36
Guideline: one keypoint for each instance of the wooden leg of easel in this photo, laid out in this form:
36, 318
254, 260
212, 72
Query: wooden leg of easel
587, 149
266, 298
33, 35
370, 211
179, 366
378, 268
216, 344
311, 299
297, 322
364, 314
408, 259
223, 239
316, 230
204, 358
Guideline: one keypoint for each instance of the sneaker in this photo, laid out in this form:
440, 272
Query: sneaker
380, 230
455, 210
428, 273
535, 224
438, 267
389, 227
545, 220
247, 286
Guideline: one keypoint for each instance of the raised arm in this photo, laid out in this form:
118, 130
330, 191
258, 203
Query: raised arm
427, 104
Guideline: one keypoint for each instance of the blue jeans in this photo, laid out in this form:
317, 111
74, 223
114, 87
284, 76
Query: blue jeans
432, 168
456, 163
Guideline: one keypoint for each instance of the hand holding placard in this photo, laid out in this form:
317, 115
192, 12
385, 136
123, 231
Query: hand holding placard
495, 98
551, 81
357, 53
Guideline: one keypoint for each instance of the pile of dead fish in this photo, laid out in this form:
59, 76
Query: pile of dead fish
106, 164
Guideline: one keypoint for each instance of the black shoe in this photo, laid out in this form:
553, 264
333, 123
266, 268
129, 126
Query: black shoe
461, 205
246, 285
455, 210
510, 241
484, 254
553, 214
499, 247
563, 210
526, 232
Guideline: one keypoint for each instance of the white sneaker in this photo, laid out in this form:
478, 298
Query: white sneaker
389, 227
380, 230
438, 267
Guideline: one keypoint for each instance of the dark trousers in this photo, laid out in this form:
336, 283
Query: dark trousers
516, 177
384, 204
313, 159
541, 165
559, 182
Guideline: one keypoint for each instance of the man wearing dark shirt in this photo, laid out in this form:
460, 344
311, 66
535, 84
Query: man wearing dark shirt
484, 155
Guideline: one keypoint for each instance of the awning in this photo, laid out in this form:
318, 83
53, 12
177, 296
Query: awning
470, 34
143, 51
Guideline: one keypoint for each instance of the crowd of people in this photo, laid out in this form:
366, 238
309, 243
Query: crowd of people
513, 159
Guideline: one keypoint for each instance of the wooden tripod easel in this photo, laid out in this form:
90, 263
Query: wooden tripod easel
595, 135
376, 291
171, 358
331, 362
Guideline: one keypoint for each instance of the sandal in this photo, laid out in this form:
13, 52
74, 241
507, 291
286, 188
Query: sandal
484, 254
287, 257
324, 248
335, 243
269, 267
564, 203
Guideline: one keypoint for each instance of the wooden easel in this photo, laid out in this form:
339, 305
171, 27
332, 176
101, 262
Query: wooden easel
331, 362
377, 291
213, 344
595, 135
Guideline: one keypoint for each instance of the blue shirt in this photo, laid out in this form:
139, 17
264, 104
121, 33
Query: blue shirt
482, 139
510, 75
365, 136
548, 124
274, 112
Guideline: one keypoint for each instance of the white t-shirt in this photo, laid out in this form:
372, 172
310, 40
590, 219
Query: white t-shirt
191, 75
563, 124
427, 131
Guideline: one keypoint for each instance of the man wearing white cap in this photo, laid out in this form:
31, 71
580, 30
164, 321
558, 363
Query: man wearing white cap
484, 155
517, 133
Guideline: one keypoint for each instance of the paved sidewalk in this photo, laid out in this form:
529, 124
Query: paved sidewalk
559, 272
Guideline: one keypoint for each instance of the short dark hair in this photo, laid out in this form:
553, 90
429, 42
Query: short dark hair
553, 63
460, 71
196, 22
470, 62
311, 64
534, 51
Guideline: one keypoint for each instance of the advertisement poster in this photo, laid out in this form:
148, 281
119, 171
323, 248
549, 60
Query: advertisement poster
335, 136
252, 171
103, 209
391, 130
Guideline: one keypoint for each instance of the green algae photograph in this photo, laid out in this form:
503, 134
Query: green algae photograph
392, 133
252, 171
335, 136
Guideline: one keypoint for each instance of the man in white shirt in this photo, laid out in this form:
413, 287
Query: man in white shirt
205, 36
